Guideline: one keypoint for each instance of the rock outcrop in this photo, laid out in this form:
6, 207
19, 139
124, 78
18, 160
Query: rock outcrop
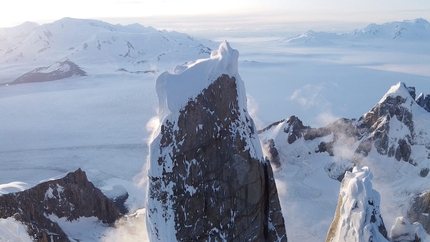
208, 180
357, 215
56, 71
419, 210
71, 197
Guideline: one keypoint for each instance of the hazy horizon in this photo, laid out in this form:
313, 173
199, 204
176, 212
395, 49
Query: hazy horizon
235, 16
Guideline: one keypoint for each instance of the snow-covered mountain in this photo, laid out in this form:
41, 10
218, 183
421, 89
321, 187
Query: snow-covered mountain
52, 128
408, 30
392, 139
97, 47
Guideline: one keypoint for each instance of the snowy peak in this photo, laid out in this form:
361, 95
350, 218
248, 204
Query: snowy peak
358, 217
399, 90
408, 30
174, 90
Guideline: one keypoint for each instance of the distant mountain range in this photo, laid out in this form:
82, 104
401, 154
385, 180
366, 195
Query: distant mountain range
96, 47
408, 30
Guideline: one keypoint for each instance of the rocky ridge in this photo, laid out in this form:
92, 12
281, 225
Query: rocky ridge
70, 197
57, 71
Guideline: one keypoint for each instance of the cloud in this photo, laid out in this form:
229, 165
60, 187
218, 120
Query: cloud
326, 118
310, 96
130, 228
252, 110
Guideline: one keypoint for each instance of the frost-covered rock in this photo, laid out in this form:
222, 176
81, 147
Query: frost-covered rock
404, 231
357, 217
207, 177
282, 134
419, 210
70, 197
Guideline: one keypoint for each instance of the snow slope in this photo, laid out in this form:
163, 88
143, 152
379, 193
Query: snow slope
12, 230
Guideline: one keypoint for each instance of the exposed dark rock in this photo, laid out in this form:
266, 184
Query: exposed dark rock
216, 189
57, 71
71, 197
118, 195
424, 172
419, 210
325, 147
424, 101
274, 154
411, 91
403, 151
295, 129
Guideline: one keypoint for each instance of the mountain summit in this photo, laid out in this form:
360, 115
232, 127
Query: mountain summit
207, 177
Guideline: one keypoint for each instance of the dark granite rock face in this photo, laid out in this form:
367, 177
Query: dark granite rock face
61, 70
72, 197
216, 190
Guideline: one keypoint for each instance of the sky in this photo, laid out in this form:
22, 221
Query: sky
175, 14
